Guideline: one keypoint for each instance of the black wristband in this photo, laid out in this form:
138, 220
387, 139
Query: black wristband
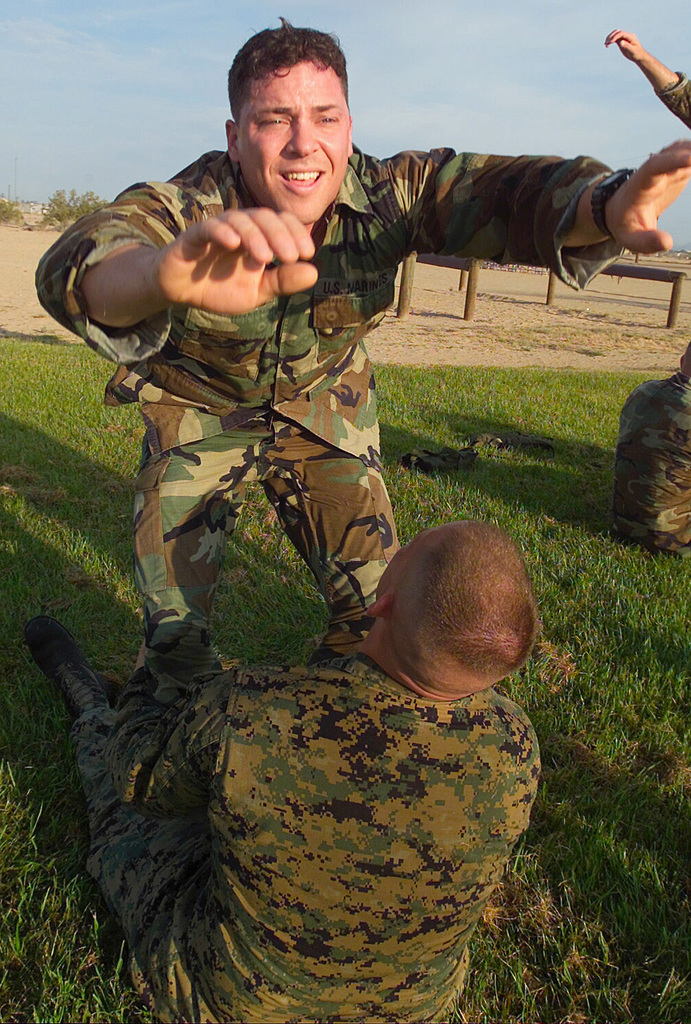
603, 191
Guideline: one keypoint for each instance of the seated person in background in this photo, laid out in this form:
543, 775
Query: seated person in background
318, 843
652, 468
671, 86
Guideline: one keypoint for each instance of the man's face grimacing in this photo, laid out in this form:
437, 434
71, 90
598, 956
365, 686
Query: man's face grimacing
293, 139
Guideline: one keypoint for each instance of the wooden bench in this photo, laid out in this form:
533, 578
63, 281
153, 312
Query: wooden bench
470, 273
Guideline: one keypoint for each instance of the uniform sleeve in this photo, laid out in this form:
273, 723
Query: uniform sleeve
150, 214
507, 209
677, 98
162, 758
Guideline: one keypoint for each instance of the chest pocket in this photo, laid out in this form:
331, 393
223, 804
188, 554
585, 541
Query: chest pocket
232, 345
341, 318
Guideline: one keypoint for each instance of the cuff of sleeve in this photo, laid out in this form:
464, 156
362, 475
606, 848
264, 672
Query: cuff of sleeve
119, 344
578, 266
675, 86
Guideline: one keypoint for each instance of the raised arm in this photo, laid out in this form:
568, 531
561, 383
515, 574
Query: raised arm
631, 214
659, 76
227, 264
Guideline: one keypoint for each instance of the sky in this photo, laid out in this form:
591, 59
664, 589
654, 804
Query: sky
98, 94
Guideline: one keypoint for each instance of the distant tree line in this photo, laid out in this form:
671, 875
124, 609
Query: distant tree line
10, 212
61, 209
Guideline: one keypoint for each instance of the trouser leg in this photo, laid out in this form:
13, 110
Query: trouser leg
187, 504
143, 866
336, 511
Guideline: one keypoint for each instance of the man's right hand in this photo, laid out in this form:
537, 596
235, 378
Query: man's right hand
657, 73
228, 264
628, 44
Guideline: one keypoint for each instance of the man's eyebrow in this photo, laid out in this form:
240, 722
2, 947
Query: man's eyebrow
320, 108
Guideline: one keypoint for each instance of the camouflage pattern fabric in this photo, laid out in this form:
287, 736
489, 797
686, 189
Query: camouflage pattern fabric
677, 98
333, 507
445, 460
442, 460
326, 839
197, 375
652, 469
512, 439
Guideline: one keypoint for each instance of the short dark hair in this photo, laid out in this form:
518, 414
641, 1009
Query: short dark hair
273, 49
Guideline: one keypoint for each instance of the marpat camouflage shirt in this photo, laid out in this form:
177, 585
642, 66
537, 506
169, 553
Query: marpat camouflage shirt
652, 469
357, 831
196, 373
677, 98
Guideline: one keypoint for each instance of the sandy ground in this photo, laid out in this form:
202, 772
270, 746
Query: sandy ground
613, 324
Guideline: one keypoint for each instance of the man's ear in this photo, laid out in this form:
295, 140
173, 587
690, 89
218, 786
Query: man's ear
382, 607
232, 137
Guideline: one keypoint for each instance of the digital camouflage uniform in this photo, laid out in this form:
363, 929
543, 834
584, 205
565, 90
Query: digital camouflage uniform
323, 840
677, 98
652, 469
220, 395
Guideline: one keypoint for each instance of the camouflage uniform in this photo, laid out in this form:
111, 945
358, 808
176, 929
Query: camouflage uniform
677, 98
652, 470
325, 845
298, 360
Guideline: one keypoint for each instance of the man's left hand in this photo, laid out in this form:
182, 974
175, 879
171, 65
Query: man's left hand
632, 212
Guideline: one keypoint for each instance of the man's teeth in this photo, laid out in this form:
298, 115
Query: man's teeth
302, 175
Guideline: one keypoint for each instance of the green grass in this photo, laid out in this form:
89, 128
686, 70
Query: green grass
594, 922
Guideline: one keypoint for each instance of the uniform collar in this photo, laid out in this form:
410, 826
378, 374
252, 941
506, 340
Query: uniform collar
351, 193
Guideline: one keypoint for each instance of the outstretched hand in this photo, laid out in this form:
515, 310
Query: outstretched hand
228, 264
633, 210
237, 261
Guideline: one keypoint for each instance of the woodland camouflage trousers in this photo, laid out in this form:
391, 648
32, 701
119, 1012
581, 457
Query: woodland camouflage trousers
333, 506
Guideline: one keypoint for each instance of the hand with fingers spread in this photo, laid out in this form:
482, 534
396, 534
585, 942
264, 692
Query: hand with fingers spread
227, 264
632, 212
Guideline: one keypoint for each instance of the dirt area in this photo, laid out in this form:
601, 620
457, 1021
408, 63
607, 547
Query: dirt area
616, 323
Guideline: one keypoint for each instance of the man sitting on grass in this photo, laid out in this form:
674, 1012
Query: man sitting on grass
318, 843
652, 467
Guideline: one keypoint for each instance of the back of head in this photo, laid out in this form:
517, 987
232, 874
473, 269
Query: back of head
467, 600
275, 49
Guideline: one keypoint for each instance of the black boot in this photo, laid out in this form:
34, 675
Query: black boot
56, 653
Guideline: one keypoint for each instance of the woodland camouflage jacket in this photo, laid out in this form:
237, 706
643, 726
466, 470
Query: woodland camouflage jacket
652, 469
357, 832
197, 373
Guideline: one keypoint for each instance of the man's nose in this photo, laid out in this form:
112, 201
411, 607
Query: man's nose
302, 138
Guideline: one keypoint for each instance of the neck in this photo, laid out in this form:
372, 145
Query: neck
450, 682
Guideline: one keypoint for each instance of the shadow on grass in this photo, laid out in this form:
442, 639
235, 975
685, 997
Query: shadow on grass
89, 506
55, 503
572, 487
39, 339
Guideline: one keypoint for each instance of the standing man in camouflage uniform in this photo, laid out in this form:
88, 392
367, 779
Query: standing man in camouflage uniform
672, 87
238, 296
652, 468
327, 838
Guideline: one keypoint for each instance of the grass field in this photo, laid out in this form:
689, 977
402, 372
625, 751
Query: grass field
594, 921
